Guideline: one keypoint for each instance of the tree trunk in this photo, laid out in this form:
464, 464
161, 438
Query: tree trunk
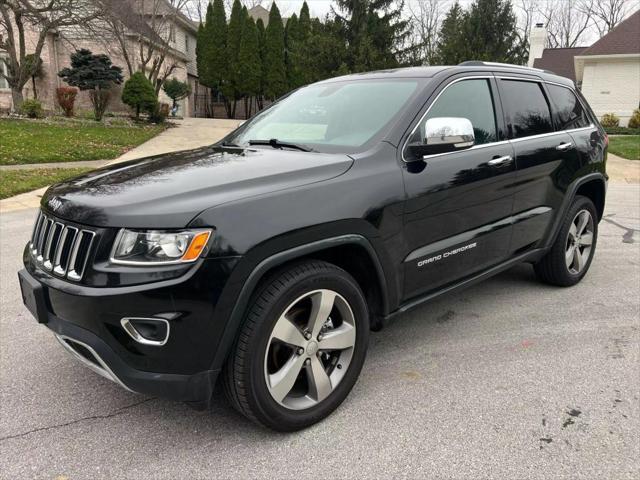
17, 97
35, 91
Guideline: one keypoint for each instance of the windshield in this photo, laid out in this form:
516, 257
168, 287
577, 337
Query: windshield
329, 117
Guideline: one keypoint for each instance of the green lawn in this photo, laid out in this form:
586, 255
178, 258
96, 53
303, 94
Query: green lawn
14, 182
626, 146
24, 141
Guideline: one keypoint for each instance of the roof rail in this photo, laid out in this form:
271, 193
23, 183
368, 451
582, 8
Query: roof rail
478, 63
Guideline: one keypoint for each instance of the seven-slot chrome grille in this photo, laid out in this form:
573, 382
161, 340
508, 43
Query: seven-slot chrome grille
60, 248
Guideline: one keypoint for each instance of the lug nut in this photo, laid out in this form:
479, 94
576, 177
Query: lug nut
300, 351
307, 361
320, 337
339, 366
307, 335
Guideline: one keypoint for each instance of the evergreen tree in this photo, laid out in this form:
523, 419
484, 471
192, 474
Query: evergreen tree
325, 52
176, 90
293, 43
452, 46
374, 31
275, 75
491, 32
304, 21
94, 73
231, 87
217, 35
139, 94
201, 53
211, 49
262, 52
486, 32
250, 65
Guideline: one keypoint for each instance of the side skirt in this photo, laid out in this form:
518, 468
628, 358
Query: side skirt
530, 256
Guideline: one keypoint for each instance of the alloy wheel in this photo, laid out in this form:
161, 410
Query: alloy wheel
579, 242
310, 349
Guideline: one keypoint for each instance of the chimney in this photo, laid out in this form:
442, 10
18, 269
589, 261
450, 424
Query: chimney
537, 42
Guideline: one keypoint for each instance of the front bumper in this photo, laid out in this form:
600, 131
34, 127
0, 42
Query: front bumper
94, 353
86, 320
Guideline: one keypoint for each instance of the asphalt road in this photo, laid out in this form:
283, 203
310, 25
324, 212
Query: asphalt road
508, 379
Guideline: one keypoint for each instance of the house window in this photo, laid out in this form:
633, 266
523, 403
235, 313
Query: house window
186, 42
172, 33
3, 71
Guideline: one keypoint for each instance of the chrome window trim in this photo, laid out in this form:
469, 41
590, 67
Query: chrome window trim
415, 127
102, 370
133, 333
501, 142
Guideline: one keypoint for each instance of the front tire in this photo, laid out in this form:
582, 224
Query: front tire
572, 252
301, 347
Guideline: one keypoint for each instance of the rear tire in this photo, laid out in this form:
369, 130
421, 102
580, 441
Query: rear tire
301, 347
572, 252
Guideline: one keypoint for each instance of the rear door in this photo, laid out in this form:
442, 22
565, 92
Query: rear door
545, 158
572, 116
459, 203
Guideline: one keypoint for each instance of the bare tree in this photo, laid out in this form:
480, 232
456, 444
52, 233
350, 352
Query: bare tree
20, 17
527, 12
426, 17
567, 21
145, 34
609, 13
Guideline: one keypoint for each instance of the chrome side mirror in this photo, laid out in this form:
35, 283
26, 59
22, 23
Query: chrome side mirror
444, 134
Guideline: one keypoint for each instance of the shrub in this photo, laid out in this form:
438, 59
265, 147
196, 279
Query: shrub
622, 131
94, 73
176, 90
160, 113
634, 121
66, 97
32, 108
610, 120
139, 94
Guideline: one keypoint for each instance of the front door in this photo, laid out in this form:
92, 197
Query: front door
458, 208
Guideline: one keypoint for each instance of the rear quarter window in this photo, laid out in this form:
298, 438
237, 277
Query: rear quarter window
526, 109
569, 111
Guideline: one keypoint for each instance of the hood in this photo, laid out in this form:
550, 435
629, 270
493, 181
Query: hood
168, 191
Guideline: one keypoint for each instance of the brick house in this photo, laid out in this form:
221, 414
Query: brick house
180, 38
607, 72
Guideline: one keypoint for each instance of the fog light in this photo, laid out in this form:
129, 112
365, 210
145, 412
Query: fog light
147, 331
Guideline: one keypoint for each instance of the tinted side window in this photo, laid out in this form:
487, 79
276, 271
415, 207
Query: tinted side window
469, 99
568, 108
526, 108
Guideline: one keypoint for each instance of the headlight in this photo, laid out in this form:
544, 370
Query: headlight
155, 247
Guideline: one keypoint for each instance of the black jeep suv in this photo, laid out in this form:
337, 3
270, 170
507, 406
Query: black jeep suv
267, 258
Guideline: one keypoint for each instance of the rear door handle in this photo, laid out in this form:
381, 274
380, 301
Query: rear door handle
563, 147
499, 160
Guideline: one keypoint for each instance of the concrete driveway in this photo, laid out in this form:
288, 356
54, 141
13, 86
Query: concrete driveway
509, 379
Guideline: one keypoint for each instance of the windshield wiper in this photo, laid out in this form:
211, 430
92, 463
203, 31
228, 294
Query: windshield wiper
275, 143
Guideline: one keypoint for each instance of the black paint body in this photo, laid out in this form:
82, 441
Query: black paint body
270, 206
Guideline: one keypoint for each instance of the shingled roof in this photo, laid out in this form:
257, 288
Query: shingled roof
559, 61
623, 39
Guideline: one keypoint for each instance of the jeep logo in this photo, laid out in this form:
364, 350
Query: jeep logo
54, 203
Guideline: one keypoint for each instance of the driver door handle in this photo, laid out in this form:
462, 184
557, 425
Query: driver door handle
563, 147
499, 160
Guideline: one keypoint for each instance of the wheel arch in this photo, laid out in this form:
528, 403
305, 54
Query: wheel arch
352, 252
593, 184
594, 190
